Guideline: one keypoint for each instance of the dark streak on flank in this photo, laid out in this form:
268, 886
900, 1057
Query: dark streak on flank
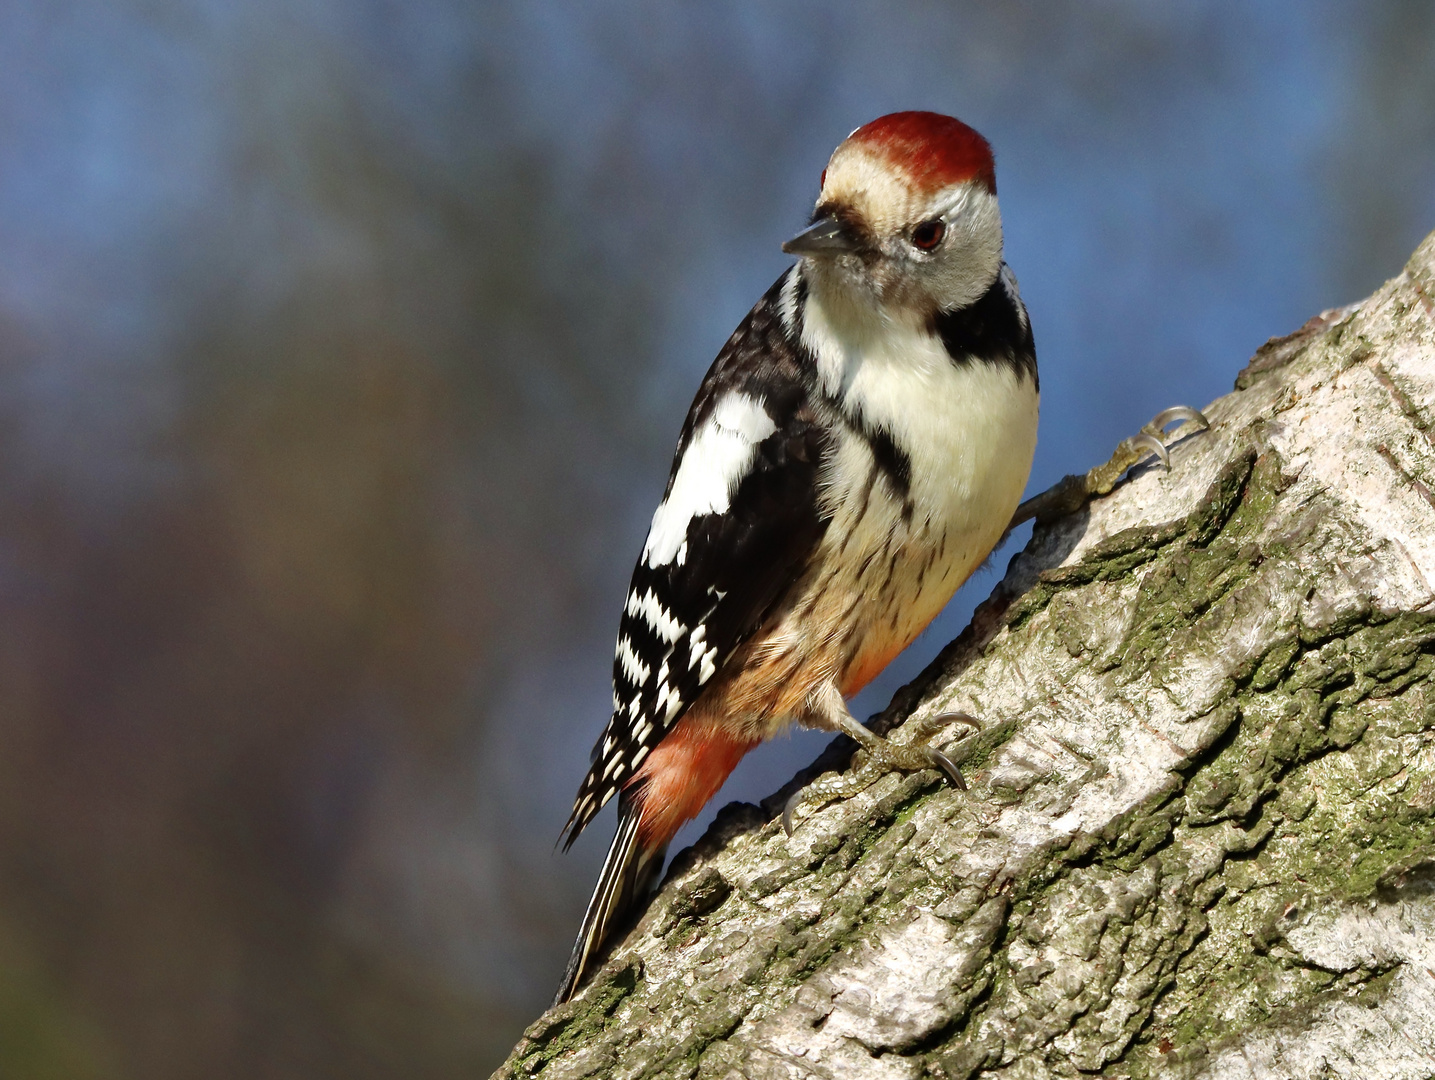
891, 572
896, 466
850, 608
861, 510
866, 565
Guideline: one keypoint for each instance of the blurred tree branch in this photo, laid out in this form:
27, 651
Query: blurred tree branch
1202, 812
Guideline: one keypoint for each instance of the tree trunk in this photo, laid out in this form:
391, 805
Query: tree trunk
1200, 835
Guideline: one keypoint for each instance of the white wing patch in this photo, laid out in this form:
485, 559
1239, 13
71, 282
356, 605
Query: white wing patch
655, 615
700, 652
668, 703
635, 669
716, 458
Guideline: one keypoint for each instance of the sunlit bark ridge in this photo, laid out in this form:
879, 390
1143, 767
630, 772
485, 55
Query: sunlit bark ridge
1200, 835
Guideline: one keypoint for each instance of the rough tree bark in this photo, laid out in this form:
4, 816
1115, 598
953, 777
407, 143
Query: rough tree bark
1200, 836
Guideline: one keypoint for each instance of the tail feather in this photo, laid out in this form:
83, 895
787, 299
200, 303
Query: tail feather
627, 873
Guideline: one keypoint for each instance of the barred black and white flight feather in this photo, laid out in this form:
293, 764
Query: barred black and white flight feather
740, 516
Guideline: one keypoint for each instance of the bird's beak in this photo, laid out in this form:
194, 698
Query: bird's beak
826, 236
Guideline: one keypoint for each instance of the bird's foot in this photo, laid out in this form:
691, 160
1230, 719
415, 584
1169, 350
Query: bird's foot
876, 756
1070, 493
1151, 439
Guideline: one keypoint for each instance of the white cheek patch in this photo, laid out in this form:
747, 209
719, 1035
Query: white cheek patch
716, 459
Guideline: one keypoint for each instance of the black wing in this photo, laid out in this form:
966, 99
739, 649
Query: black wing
710, 574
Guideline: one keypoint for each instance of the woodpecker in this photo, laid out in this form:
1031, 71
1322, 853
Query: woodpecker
855, 451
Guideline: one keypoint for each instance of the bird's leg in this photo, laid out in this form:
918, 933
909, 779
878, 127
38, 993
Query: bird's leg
875, 756
1070, 493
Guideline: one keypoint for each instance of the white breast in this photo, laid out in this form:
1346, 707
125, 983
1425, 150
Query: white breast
890, 563
968, 429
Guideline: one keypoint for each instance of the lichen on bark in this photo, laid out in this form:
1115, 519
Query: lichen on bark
1200, 835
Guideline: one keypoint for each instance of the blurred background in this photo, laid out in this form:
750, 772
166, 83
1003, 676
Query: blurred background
343, 346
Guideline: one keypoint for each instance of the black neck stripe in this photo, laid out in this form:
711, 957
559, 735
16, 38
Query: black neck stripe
991, 330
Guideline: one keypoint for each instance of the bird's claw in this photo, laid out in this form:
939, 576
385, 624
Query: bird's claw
946, 765
938, 721
1184, 413
789, 808
1070, 493
882, 756
1151, 439
1154, 445
1152, 435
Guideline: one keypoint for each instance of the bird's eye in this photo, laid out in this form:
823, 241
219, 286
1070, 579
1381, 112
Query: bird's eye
928, 235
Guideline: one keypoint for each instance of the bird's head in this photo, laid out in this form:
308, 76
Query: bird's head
907, 219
